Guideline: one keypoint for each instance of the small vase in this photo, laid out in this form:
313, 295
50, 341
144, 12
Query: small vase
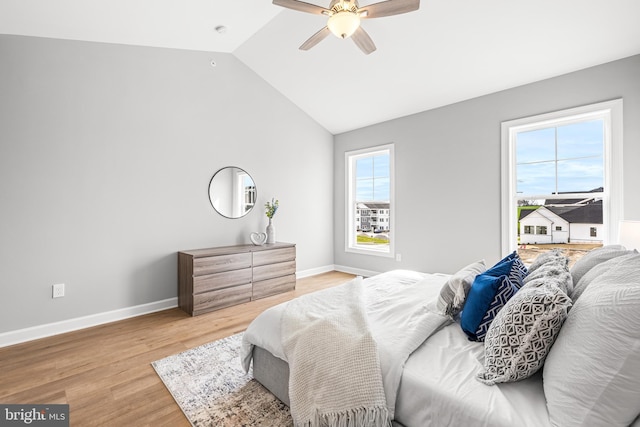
271, 232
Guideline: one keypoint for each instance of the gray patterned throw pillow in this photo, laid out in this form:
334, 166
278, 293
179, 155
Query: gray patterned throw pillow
522, 334
554, 255
553, 271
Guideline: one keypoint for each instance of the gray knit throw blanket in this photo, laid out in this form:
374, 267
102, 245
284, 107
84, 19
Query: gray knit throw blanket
335, 378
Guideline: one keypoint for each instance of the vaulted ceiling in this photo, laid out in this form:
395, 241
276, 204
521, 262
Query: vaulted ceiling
447, 51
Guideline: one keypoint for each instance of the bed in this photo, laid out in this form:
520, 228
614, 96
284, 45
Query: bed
438, 381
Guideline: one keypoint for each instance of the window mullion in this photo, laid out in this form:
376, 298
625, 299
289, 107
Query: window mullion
555, 136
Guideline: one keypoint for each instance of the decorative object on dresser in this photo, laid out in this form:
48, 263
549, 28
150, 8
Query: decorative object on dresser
271, 209
214, 278
258, 239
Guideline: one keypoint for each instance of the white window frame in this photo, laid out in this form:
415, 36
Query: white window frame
611, 114
350, 184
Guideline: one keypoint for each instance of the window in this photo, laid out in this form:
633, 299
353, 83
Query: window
369, 203
528, 229
557, 163
249, 193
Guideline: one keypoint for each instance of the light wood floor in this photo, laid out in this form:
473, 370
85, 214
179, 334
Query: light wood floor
104, 373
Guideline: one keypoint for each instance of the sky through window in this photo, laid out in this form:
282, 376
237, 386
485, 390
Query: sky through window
562, 159
373, 179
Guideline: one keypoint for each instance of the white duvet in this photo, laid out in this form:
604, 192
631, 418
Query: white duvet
436, 386
401, 311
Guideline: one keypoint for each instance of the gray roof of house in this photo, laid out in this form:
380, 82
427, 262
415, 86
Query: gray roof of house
376, 205
571, 201
587, 214
584, 214
525, 213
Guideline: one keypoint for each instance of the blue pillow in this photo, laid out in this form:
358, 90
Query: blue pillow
489, 293
509, 257
505, 291
481, 295
518, 270
502, 268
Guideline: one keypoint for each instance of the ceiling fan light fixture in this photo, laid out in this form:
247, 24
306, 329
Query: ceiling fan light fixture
343, 24
344, 18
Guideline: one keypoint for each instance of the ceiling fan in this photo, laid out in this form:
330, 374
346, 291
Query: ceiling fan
344, 18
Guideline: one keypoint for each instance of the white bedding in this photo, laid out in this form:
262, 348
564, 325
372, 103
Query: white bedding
335, 377
438, 385
265, 330
401, 311
439, 388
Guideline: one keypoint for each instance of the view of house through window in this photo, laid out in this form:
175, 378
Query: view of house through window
369, 200
559, 186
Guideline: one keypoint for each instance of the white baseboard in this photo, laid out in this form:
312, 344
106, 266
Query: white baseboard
356, 271
314, 271
50, 329
341, 268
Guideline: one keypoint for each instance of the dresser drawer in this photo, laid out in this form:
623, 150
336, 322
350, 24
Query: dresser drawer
216, 264
274, 256
214, 300
265, 288
274, 270
221, 280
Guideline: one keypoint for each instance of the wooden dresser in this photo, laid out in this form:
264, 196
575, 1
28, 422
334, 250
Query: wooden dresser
213, 278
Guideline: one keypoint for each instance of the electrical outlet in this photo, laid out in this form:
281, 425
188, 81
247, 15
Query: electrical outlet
398, 257
58, 290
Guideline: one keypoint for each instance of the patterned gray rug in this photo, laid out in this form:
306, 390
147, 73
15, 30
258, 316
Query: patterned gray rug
212, 389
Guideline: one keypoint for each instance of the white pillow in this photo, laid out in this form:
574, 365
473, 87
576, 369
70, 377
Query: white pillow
592, 373
454, 292
593, 258
598, 270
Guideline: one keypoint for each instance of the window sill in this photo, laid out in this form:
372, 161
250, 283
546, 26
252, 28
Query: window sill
386, 253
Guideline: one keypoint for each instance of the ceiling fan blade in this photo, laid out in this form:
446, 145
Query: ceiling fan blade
315, 39
388, 8
302, 6
363, 41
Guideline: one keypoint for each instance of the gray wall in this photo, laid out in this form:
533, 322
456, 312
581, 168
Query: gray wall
448, 167
106, 152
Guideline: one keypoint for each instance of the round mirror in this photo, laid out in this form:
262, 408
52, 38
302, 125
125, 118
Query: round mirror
232, 192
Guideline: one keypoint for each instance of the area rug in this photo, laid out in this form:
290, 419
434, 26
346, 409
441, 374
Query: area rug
212, 389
